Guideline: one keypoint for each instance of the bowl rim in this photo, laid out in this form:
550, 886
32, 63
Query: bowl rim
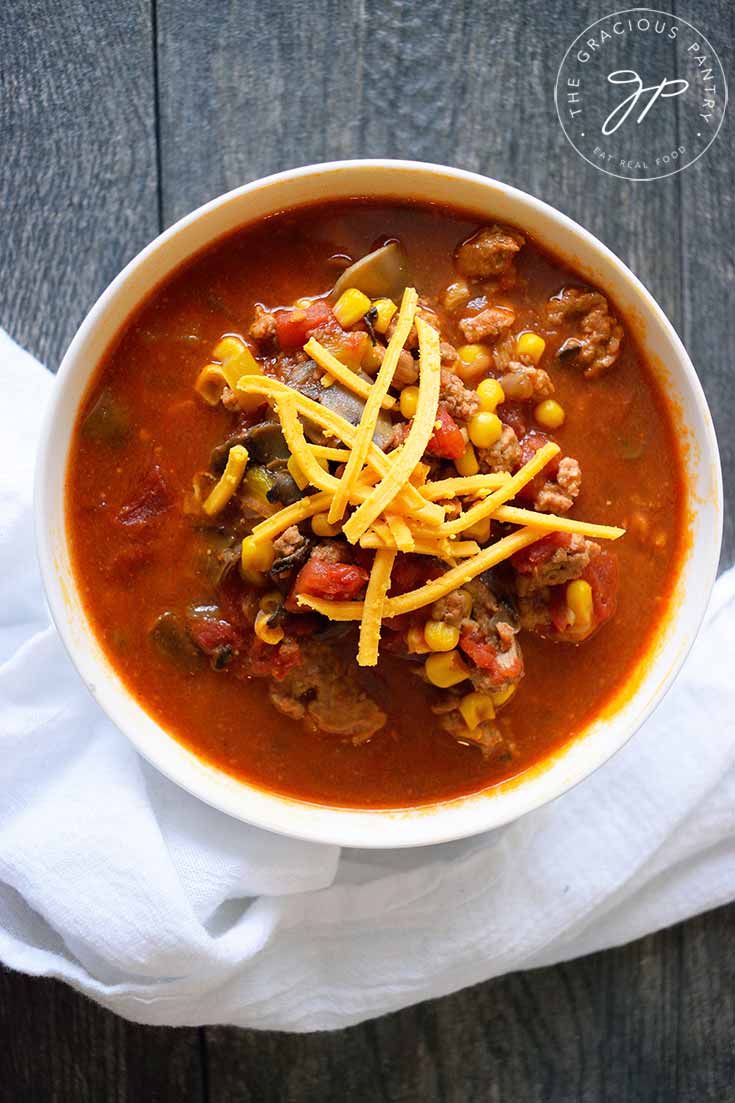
442, 821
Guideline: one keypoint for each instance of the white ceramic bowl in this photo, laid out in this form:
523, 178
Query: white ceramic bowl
449, 819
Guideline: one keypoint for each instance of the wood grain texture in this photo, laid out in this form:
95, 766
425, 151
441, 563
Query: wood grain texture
58, 1047
708, 260
78, 186
624, 1026
88, 112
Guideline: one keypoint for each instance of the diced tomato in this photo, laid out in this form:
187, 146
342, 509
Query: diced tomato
349, 346
446, 441
602, 573
211, 634
558, 608
410, 572
293, 324
267, 661
334, 581
512, 414
153, 499
535, 555
497, 664
530, 445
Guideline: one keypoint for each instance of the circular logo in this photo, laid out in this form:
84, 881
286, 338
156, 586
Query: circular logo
641, 94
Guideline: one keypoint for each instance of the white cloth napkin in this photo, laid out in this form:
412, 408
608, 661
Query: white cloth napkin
171, 913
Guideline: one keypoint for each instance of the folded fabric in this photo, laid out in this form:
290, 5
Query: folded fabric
169, 912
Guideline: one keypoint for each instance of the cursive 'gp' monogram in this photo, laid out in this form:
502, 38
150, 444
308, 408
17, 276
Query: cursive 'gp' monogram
666, 89
641, 94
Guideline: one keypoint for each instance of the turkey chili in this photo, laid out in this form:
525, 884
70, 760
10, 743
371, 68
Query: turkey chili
373, 504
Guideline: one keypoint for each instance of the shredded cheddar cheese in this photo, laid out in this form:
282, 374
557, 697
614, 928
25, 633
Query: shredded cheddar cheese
396, 507
508, 490
549, 522
400, 532
339, 455
442, 549
291, 515
469, 485
272, 389
421, 430
344, 375
366, 428
435, 588
230, 479
372, 614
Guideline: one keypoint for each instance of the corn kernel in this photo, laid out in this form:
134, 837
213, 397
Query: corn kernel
371, 361
491, 395
479, 531
236, 361
475, 708
257, 555
531, 346
303, 302
349, 349
298, 476
579, 602
467, 463
271, 601
549, 414
409, 402
441, 636
502, 696
416, 642
385, 309
485, 429
446, 669
351, 306
320, 525
268, 633
227, 348
473, 361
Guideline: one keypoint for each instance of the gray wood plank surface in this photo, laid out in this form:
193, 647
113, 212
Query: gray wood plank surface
708, 262
58, 1047
95, 98
78, 186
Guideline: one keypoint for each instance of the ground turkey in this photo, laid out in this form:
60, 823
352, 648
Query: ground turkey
504, 455
291, 551
325, 690
488, 324
524, 383
486, 735
596, 344
457, 399
453, 608
564, 564
557, 495
263, 326
489, 253
488, 639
